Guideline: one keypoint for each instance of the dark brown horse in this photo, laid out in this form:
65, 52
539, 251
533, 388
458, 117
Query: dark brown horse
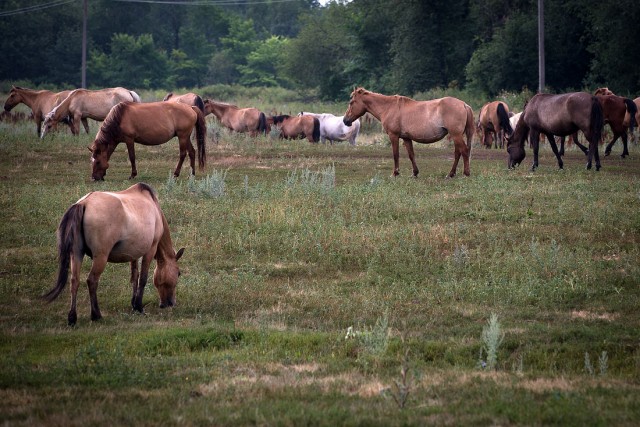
40, 102
296, 127
628, 119
420, 121
152, 123
123, 226
615, 110
82, 104
190, 99
494, 119
237, 119
557, 115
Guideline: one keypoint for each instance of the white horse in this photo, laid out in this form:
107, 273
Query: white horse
333, 128
514, 119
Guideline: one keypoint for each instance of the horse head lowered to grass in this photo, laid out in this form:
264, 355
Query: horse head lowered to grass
557, 115
152, 123
117, 227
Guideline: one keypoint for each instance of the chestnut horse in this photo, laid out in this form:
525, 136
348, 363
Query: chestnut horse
494, 119
237, 119
295, 127
557, 115
190, 99
152, 123
83, 103
123, 226
421, 121
627, 118
40, 102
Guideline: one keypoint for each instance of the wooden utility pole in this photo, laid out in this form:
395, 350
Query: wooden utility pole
541, 82
84, 44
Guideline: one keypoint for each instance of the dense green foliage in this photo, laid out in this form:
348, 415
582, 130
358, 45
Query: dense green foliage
386, 45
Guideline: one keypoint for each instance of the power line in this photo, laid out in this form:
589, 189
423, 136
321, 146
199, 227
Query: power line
208, 2
35, 8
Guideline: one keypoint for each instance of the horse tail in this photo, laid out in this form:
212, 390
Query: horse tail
262, 123
70, 241
597, 119
135, 96
503, 118
469, 128
632, 109
316, 129
199, 103
201, 135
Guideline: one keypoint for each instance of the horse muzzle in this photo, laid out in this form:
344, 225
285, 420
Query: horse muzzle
346, 121
168, 303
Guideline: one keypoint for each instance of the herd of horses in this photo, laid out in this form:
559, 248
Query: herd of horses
129, 226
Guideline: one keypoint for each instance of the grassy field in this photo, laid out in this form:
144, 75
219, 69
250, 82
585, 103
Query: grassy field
318, 290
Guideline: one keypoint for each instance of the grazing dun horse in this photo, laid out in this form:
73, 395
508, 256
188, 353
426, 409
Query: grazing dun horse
494, 119
557, 115
190, 99
421, 121
333, 128
237, 119
82, 104
297, 127
40, 102
123, 226
152, 123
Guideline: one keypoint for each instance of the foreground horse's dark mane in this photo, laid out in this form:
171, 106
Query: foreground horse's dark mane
146, 187
110, 129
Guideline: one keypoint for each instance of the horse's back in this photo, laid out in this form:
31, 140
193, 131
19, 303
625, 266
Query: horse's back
122, 224
559, 114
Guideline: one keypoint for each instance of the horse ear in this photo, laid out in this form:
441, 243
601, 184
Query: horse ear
179, 253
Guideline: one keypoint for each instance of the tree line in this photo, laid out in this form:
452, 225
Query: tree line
390, 46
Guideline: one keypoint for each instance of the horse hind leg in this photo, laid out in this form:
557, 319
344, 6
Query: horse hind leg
76, 267
461, 149
98, 266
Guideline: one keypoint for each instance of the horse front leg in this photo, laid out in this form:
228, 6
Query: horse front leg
135, 276
99, 263
85, 124
408, 145
142, 280
395, 149
534, 138
554, 148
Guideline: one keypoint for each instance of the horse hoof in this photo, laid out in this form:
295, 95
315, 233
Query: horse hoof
606, 153
72, 319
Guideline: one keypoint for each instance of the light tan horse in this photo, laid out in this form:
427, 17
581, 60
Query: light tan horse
297, 127
494, 119
190, 99
40, 102
83, 103
420, 121
152, 123
237, 119
118, 227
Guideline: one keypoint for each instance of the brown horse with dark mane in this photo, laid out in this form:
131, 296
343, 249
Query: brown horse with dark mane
83, 104
152, 123
190, 99
494, 119
557, 115
40, 102
421, 121
237, 119
297, 127
123, 226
